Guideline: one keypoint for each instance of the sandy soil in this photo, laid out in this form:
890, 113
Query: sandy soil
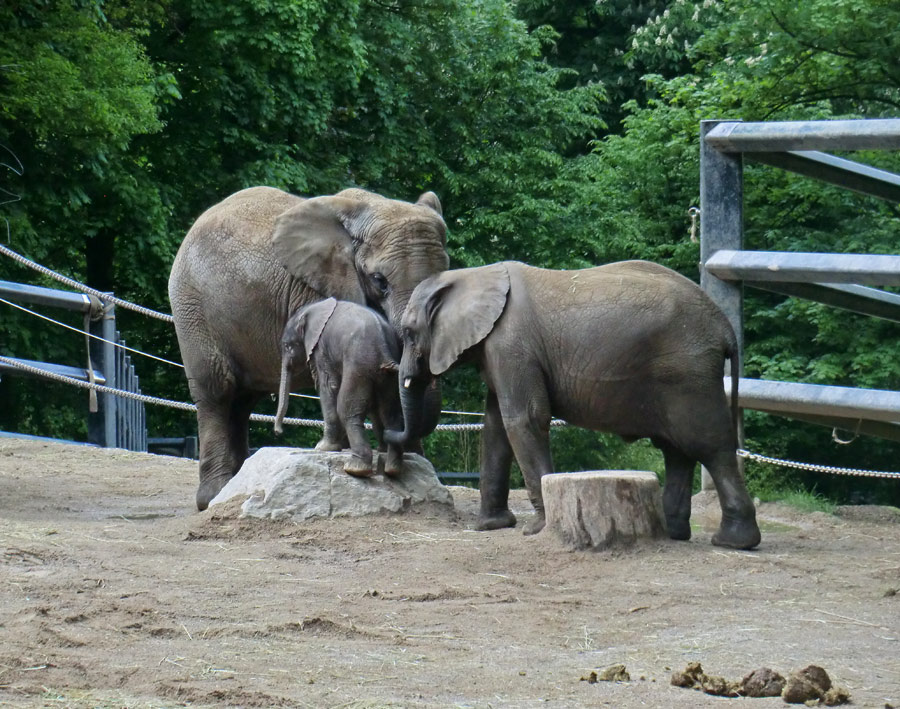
114, 591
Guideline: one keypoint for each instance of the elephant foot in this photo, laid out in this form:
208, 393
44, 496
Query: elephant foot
679, 529
358, 468
738, 533
534, 526
326, 446
393, 464
499, 520
209, 489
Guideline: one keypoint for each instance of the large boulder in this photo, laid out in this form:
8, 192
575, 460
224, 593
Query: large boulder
279, 483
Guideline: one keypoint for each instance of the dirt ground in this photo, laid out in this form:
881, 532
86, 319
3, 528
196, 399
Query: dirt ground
114, 591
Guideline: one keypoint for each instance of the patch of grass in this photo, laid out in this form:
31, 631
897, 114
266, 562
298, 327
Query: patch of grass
803, 500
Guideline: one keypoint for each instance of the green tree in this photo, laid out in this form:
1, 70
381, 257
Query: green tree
74, 91
594, 39
312, 97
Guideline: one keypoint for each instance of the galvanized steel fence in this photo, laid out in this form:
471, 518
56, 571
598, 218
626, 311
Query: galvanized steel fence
838, 280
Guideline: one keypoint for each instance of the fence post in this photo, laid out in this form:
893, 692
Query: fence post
102, 424
721, 227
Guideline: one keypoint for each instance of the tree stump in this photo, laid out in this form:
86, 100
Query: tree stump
603, 508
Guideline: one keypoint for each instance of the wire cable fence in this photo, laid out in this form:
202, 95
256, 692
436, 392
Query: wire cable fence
265, 418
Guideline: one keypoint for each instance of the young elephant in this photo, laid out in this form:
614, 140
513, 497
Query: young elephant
632, 348
352, 353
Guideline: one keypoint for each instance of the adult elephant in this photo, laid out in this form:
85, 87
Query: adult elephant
632, 348
253, 259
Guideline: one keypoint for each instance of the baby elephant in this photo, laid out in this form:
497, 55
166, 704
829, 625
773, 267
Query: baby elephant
632, 348
352, 353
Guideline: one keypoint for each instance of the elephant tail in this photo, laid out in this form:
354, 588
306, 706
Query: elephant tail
284, 393
732, 353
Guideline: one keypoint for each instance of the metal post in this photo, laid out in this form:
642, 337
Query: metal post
121, 408
721, 227
141, 418
131, 414
102, 424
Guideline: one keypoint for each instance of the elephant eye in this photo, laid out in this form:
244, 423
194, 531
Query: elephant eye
380, 282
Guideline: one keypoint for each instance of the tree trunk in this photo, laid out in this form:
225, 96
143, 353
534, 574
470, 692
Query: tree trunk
600, 509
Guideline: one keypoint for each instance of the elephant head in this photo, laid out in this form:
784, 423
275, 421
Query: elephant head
301, 335
447, 315
362, 247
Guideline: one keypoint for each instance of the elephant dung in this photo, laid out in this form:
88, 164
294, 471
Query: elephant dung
600, 509
811, 686
762, 683
292, 483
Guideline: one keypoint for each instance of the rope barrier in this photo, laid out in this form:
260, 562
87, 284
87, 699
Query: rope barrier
83, 288
265, 418
129, 349
182, 405
463, 427
91, 335
137, 308
814, 467
185, 406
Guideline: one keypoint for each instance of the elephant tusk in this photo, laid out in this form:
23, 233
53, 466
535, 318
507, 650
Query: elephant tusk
407, 382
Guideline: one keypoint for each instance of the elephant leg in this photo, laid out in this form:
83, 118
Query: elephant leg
352, 412
529, 436
496, 458
393, 461
217, 464
393, 464
738, 528
334, 438
386, 416
415, 446
677, 490
223, 428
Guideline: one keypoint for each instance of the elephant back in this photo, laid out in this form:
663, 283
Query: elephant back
230, 296
246, 217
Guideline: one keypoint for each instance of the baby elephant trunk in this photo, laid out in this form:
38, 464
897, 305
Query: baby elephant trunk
284, 393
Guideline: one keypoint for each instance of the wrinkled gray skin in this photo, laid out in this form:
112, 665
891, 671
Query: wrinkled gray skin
632, 348
255, 258
353, 354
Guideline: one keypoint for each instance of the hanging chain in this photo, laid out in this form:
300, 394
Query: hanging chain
694, 212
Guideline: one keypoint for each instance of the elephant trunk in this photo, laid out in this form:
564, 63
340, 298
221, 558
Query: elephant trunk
412, 400
284, 393
431, 409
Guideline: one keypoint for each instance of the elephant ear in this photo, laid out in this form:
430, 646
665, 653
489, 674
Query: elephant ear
317, 317
430, 199
313, 243
464, 313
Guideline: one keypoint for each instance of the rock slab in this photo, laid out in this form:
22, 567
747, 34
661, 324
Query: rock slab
280, 483
603, 508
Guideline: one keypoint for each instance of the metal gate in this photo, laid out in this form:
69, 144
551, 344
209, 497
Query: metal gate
838, 280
